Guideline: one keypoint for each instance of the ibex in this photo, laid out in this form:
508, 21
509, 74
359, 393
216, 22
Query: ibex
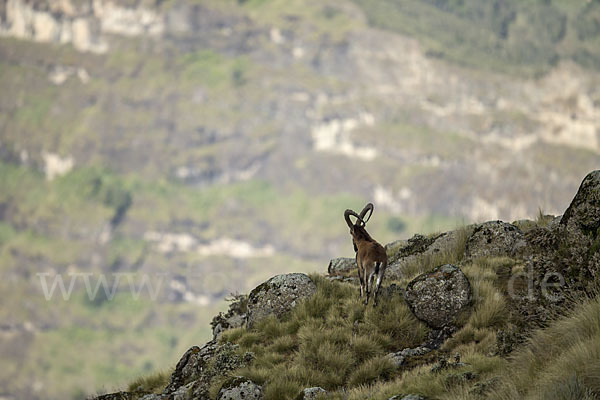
371, 257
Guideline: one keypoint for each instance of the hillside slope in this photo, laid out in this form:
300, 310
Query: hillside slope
529, 327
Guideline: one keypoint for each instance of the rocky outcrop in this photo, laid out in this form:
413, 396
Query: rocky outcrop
584, 211
494, 238
88, 25
278, 296
235, 316
240, 388
440, 296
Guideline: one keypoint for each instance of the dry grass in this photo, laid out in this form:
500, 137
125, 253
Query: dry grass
560, 360
453, 254
334, 342
330, 340
154, 383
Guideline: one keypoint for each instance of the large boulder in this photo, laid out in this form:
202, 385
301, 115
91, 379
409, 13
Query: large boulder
240, 388
584, 211
341, 265
278, 296
494, 238
440, 296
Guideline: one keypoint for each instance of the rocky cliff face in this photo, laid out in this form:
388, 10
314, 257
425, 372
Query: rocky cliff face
82, 24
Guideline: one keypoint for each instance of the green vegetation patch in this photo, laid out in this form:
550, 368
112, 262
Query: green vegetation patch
520, 37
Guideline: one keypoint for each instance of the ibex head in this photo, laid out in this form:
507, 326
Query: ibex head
357, 229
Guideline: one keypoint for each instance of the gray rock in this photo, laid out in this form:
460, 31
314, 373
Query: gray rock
240, 388
235, 316
584, 211
190, 366
197, 368
154, 396
399, 357
339, 265
278, 296
407, 397
312, 393
494, 238
440, 296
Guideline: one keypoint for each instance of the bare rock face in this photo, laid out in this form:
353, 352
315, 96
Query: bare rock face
240, 388
278, 296
494, 238
440, 296
584, 211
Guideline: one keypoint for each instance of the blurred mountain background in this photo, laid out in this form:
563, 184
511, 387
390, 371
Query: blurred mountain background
199, 147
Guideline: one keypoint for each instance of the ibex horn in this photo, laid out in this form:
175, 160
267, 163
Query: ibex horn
368, 207
347, 215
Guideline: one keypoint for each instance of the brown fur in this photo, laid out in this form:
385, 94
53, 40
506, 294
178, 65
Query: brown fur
371, 259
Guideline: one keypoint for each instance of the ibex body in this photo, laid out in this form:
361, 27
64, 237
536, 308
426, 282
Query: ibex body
371, 257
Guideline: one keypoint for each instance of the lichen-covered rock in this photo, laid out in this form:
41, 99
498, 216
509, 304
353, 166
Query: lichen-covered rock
400, 357
339, 265
240, 388
440, 296
311, 393
198, 367
584, 211
278, 296
235, 316
190, 365
494, 238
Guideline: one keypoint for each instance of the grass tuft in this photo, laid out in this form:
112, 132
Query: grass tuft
371, 370
154, 383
